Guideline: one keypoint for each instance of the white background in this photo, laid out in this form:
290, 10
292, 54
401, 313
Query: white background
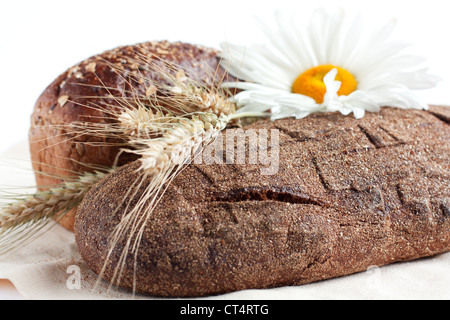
40, 39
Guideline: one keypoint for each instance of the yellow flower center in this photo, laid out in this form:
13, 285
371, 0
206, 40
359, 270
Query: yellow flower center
310, 83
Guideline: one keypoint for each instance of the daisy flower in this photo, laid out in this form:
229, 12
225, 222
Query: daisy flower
324, 66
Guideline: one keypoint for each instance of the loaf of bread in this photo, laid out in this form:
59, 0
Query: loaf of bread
85, 92
348, 194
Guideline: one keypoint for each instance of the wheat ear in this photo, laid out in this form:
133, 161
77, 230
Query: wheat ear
146, 119
22, 219
181, 139
162, 159
167, 130
167, 133
46, 204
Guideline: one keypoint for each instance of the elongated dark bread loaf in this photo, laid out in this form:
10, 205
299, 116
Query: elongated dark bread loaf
85, 93
349, 194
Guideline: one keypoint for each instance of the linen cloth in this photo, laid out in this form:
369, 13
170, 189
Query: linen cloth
50, 267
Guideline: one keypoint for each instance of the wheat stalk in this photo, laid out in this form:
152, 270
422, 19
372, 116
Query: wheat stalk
141, 123
180, 139
143, 119
46, 204
22, 219
161, 160
167, 131
147, 128
196, 98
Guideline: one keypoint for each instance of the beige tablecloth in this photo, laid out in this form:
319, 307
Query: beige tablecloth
50, 267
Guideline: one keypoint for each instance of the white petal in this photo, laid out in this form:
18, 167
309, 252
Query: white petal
352, 39
332, 88
360, 99
385, 75
358, 112
254, 107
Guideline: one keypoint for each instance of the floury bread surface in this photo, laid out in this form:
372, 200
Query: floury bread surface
349, 194
85, 93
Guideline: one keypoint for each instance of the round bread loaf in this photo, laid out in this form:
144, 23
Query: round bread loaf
348, 194
85, 93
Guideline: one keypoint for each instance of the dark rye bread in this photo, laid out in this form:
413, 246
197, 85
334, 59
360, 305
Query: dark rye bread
81, 94
349, 194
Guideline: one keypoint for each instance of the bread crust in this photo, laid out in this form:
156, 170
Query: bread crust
58, 153
349, 194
